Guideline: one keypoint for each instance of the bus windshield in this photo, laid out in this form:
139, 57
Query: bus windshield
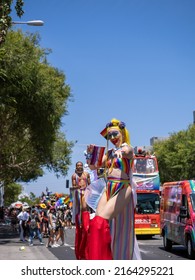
148, 203
144, 165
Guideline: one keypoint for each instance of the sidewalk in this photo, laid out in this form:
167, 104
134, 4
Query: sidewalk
11, 248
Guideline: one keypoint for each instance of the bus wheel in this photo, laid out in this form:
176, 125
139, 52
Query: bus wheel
190, 252
167, 243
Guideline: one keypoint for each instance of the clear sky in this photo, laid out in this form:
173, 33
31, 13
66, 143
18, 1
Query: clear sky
129, 59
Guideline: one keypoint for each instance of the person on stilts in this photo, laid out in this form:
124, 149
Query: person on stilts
80, 180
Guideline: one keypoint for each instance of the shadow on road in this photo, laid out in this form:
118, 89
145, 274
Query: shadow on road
149, 237
177, 250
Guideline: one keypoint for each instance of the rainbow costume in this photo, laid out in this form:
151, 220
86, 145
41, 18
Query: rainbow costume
114, 185
115, 239
122, 226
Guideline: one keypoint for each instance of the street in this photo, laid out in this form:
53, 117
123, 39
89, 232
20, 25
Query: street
151, 249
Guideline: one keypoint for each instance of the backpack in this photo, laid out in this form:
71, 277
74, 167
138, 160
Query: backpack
33, 222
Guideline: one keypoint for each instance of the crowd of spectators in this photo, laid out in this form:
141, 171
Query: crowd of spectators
37, 222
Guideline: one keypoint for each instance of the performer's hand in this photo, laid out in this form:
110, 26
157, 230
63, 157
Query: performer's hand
119, 153
90, 148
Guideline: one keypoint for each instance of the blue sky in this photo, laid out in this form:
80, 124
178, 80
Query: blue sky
129, 59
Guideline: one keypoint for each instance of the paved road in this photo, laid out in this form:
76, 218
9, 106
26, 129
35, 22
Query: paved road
66, 252
151, 249
10, 248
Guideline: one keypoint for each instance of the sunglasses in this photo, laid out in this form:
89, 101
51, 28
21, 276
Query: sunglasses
113, 134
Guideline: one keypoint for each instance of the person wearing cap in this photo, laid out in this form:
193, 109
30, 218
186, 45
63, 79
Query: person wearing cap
111, 231
81, 216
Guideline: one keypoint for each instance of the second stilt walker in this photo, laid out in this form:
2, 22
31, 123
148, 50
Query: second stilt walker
80, 180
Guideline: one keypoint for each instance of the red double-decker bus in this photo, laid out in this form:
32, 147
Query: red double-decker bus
146, 176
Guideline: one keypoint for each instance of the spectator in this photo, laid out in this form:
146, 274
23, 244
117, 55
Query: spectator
52, 219
23, 217
44, 223
68, 217
13, 217
60, 225
34, 227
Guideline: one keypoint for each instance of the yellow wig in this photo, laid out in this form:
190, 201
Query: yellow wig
118, 125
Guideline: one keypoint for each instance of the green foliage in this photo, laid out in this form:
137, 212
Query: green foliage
31, 199
11, 193
61, 159
176, 156
33, 99
19, 7
32, 196
5, 18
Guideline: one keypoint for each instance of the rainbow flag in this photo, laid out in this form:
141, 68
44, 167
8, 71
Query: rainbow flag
96, 156
66, 199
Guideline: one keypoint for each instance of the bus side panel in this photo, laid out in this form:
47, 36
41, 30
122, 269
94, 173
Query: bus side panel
171, 200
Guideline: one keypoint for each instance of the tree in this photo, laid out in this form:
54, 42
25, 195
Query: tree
31, 199
32, 196
176, 156
12, 192
33, 100
5, 18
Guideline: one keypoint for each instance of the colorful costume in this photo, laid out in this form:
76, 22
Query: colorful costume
81, 217
119, 232
78, 194
122, 226
115, 239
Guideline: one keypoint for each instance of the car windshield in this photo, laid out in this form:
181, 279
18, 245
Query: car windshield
148, 203
144, 165
192, 197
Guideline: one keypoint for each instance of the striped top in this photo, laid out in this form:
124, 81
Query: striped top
122, 163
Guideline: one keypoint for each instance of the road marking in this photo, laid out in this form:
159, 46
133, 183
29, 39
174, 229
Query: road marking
144, 251
68, 245
148, 243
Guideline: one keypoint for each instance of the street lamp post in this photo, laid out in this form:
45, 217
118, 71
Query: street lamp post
4, 27
30, 22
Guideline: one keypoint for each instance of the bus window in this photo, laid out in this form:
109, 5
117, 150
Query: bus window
150, 165
147, 203
140, 165
144, 165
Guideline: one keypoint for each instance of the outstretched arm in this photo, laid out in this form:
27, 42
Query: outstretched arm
124, 151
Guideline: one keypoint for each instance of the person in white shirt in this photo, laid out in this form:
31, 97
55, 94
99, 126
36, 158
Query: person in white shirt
23, 217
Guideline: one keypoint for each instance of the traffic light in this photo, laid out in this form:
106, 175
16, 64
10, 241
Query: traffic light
67, 184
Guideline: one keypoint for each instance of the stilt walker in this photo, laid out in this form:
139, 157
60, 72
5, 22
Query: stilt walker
111, 231
80, 180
